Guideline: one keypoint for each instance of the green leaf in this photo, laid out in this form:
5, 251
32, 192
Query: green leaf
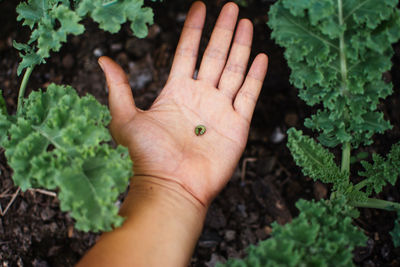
382, 171
395, 233
359, 156
32, 11
140, 20
48, 37
29, 57
243, 3
110, 17
59, 142
322, 235
50, 21
5, 123
339, 65
314, 160
3, 107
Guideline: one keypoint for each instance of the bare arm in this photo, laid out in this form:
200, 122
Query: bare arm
178, 173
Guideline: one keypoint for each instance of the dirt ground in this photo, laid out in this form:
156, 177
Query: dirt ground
266, 184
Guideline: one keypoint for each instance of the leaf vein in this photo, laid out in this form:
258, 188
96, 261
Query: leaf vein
316, 36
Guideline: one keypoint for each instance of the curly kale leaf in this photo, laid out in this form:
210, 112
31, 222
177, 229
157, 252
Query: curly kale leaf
50, 21
5, 123
3, 107
315, 161
337, 51
322, 235
110, 17
382, 171
58, 142
395, 233
29, 56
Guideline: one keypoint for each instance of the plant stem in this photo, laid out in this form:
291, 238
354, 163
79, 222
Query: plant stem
346, 151
361, 185
342, 48
24, 83
109, 3
377, 204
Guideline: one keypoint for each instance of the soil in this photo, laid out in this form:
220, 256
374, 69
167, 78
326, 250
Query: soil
265, 186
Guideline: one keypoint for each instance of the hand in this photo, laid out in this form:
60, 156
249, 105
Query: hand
178, 173
162, 140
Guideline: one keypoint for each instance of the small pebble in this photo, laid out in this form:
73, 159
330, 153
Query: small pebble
230, 235
47, 214
181, 17
154, 30
97, 52
116, 47
277, 136
214, 260
40, 263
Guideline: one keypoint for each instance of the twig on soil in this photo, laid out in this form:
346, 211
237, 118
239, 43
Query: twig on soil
2, 213
44, 192
4, 194
288, 174
244, 163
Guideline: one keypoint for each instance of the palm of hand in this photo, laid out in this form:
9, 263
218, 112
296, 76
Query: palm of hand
164, 144
161, 140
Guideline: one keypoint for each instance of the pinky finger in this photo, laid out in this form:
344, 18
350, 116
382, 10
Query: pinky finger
247, 96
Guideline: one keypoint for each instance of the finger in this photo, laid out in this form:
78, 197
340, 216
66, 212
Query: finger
186, 53
235, 69
214, 57
247, 96
121, 103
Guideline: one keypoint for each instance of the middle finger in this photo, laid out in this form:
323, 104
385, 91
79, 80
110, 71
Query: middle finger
215, 55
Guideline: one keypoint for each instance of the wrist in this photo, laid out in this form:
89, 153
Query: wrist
162, 213
163, 223
167, 193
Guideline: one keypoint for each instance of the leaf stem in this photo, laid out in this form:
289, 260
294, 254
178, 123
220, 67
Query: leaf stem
377, 204
342, 49
344, 90
361, 185
109, 3
22, 89
346, 151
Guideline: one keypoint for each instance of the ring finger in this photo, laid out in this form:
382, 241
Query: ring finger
235, 69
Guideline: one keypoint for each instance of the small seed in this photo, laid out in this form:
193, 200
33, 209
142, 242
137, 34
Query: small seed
200, 130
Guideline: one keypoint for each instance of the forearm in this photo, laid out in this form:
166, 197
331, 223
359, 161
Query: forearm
163, 223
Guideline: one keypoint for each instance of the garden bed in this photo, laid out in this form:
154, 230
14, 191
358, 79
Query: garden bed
265, 186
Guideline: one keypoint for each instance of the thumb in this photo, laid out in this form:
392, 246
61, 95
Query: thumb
120, 99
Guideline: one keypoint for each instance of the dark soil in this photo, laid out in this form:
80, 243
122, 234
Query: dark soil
266, 185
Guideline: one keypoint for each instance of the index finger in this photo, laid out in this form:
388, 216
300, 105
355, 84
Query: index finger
247, 96
187, 50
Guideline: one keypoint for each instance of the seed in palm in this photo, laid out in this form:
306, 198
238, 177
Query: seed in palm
200, 130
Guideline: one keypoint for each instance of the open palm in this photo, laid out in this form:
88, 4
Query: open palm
162, 140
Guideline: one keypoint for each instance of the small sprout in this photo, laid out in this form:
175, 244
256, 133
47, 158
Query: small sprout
200, 130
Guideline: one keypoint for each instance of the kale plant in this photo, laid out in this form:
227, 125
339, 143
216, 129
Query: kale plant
337, 51
58, 140
322, 235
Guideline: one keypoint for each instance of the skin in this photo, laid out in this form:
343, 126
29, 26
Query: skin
178, 174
